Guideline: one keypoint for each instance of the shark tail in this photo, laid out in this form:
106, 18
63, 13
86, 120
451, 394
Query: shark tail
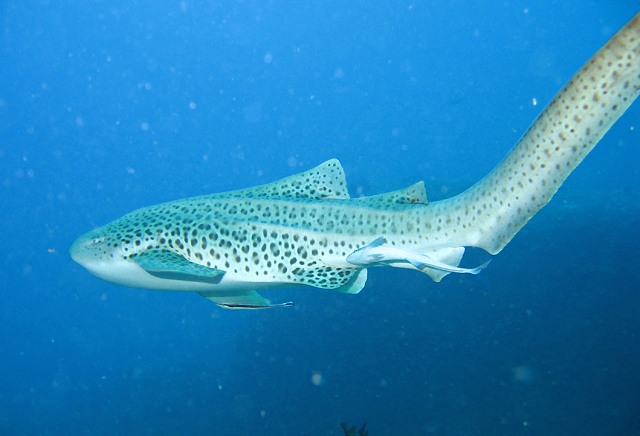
492, 211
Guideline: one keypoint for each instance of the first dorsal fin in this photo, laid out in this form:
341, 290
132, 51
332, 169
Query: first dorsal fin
414, 194
324, 182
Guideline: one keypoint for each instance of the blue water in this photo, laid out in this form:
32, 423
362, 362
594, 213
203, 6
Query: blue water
108, 106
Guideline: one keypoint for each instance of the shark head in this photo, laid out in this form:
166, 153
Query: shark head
97, 252
363, 256
132, 251
100, 252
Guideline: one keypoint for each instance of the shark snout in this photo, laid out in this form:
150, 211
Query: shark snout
88, 248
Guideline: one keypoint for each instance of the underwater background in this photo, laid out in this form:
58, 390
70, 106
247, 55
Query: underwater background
109, 106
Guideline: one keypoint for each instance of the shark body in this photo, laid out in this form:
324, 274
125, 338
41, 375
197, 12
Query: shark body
301, 230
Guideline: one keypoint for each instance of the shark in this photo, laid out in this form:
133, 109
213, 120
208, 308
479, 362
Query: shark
378, 254
306, 231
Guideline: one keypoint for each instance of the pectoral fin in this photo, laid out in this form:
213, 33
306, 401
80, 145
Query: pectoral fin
243, 300
168, 265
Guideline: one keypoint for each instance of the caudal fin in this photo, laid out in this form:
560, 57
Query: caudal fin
492, 211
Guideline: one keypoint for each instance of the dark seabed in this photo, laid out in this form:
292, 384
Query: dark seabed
108, 106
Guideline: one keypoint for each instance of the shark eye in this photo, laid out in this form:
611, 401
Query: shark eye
97, 240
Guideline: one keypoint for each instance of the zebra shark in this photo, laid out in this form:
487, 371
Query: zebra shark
302, 230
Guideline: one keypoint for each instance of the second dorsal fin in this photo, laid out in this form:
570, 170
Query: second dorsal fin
414, 194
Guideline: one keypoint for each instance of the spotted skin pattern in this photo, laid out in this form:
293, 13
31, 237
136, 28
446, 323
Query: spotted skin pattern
492, 211
300, 230
282, 232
